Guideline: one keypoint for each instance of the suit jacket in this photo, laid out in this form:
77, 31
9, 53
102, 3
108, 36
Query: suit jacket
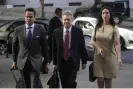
34, 52
54, 23
77, 47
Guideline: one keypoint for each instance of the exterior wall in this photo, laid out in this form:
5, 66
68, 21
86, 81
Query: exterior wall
16, 2
65, 4
49, 4
108, 0
56, 3
33, 3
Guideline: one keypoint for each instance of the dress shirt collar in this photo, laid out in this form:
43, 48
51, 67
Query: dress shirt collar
30, 26
68, 29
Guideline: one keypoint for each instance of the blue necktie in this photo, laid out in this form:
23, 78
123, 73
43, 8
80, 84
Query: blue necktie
29, 36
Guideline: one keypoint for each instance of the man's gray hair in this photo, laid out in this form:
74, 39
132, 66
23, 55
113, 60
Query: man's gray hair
67, 13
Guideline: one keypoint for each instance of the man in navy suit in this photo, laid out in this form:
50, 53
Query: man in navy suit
68, 48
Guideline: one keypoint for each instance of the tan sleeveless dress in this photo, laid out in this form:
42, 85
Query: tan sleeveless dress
106, 66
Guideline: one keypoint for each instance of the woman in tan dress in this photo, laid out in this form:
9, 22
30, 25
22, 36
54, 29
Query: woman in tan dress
105, 40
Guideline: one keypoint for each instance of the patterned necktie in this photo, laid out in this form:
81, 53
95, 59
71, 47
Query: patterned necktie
29, 36
66, 45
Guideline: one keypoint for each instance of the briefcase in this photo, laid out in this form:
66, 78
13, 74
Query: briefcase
20, 83
53, 82
92, 78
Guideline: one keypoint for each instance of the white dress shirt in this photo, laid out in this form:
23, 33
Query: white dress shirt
27, 30
64, 33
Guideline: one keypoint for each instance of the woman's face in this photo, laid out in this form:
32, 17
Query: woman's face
105, 15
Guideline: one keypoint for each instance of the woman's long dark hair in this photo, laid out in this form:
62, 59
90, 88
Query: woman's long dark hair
100, 20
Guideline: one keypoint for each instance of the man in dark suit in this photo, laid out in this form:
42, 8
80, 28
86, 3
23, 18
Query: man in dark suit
31, 39
68, 48
54, 23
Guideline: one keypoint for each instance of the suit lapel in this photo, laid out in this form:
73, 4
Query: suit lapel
34, 32
33, 35
61, 38
24, 34
72, 37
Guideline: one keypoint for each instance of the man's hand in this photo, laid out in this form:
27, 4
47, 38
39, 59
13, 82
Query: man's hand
83, 66
46, 69
14, 66
55, 67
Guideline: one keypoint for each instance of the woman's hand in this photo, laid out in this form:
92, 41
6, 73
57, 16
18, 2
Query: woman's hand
119, 62
99, 51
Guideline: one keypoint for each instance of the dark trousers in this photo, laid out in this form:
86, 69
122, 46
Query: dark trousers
50, 48
50, 53
68, 74
27, 76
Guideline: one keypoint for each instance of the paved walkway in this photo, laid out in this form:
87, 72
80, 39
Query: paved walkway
124, 79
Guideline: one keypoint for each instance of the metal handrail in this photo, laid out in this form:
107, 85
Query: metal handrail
7, 42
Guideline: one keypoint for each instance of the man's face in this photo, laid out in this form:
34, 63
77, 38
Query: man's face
67, 20
29, 17
60, 14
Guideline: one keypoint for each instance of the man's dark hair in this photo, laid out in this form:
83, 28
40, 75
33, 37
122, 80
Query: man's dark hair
57, 10
100, 20
31, 10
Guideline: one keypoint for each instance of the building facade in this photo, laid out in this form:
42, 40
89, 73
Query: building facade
50, 5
